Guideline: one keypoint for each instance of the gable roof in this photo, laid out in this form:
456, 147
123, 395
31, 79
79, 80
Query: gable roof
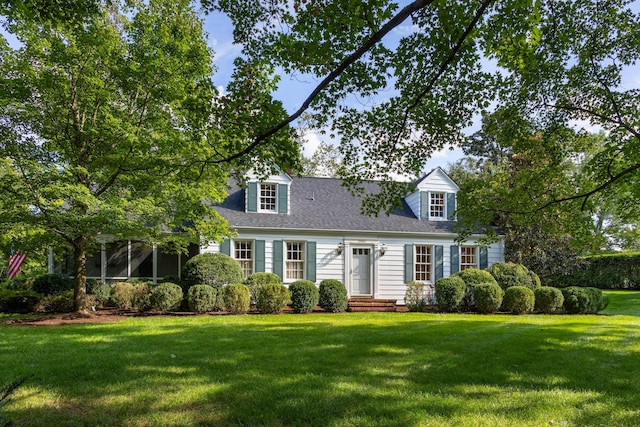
434, 173
324, 204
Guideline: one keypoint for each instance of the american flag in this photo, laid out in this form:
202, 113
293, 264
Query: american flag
15, 262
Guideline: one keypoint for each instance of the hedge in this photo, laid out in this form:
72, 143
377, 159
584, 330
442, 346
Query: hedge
609, 271
518, 300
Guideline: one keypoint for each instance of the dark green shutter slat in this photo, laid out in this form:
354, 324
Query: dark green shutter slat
451, 206
424, 205
408, 263
455, 259
225, 247
252, 197
311, 261
283, 198
259, 256
484, 258
277, 258
439, 258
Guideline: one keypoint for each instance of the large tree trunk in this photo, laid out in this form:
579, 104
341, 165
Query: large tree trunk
80, 274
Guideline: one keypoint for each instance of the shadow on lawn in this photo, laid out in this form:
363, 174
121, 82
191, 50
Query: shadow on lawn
334, 371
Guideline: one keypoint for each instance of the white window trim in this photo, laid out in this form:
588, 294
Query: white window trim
476, 256
431, 263
302, 261
253, 255
259, 202
444, 206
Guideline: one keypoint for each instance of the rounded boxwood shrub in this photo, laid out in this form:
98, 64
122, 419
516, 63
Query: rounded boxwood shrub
52, 284
414, 298
259, 279
122, 295
508, 274
548, 299
272, 298
141, 298
166, 297
332, 296
449, 293
487, 297
201, 298
579, 300
211, 269
236, 298
304, 296
18, 300
519, 300
101, 291
472, 277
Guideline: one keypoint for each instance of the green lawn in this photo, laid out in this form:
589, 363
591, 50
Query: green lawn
380, 369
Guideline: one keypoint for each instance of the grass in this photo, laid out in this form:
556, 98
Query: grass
351, 369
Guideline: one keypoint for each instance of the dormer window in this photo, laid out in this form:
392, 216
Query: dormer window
268, 197
436, 205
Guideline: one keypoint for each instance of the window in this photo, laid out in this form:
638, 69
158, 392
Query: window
436, 205
468, 257
423, 263
244, 256
268, 197
295, 261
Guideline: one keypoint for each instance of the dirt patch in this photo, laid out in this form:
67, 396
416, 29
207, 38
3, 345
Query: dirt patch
99, 316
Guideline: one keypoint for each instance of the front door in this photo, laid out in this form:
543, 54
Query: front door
361, 271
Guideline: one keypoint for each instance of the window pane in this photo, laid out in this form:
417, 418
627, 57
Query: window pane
423, 263
467, 257
268, 197
436, 206
295, 261
244, 256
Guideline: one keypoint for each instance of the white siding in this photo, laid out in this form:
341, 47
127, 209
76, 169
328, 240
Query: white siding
437, 180
413, 200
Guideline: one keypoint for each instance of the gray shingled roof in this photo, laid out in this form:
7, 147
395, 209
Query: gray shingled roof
324, 204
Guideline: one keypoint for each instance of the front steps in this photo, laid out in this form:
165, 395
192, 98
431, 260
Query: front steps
364, 304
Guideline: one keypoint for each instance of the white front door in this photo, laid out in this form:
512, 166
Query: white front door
361, 271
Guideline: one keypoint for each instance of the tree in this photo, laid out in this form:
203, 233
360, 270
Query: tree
113, 127
324, 162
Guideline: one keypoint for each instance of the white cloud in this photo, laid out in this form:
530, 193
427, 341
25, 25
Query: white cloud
311, 143
585, 125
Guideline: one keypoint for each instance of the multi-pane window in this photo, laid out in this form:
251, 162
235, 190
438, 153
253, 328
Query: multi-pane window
244, 256
268, 197
436, 205
423, 263
467, 257
295, 261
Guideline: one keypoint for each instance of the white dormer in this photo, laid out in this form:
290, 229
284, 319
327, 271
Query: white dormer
268, 194
435, 197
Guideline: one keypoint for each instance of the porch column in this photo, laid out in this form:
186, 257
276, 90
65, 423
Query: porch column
50, 261
103, 263
154, 254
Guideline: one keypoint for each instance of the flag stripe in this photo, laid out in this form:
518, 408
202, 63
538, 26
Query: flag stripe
15, 262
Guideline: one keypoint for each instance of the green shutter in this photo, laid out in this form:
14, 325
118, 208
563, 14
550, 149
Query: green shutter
252, 197
259, 258
424, 205
455, 259
283, 198
311, 261
408, 263
225, 247
484, 258
439, 261
451, 206
277, 258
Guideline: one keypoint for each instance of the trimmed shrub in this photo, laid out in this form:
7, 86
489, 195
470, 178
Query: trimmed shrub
62, 303
141, 298
414, 297
236, 298
122, 295
18, 300
256, 280
202, 298
488, 297
510, 274
579, 300
272, 298
166, 297
211, 269
548, 299
449, 293
519, 300
52, 284
605, 271
472, 277
333, 296
100, 291
304, 296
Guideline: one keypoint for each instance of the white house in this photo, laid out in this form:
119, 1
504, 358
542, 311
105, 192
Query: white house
312, 228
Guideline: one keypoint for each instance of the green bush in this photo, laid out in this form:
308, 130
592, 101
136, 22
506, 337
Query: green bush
332, 296
52, 284
256, 280
487, 297
304, 296
607, 271
449, 293
272, 298
101, 291
122, 295
62, 303
587, 300
211, 269
141, 298
414, 297
519, 300
202, 298
509, 274
548, 299
18, 300
236, 298
472, 277
166, 297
